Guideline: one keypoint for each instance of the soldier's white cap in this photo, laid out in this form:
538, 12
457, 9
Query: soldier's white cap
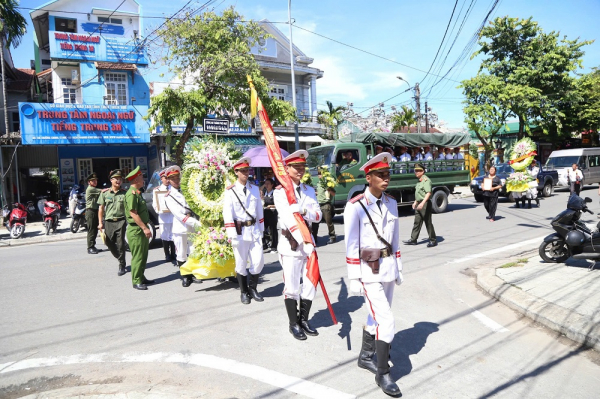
173, 170
379, 161
243, 162
297, 157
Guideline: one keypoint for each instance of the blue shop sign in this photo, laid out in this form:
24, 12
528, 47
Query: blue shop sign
179, 129
92, 27
84, 47
83, 124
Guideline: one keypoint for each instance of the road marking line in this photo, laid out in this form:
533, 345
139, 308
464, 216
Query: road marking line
497, 250
274, 378
486, 321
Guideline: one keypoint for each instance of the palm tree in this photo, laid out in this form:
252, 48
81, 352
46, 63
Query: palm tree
406, 117
331, 118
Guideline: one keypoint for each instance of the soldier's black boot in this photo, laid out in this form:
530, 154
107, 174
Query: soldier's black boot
252, 287
367, 352
291, 305
305, 305
523, 203
186, 281
383, 378
243, 282
167, 249
121, 269
537, 201
172, 251
528, 203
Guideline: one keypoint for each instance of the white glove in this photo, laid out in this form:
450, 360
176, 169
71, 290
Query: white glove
235, 242
356, 287
295, 208
308, 249
400, 278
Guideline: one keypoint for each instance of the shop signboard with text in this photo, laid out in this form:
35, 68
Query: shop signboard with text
83, 47
83, 124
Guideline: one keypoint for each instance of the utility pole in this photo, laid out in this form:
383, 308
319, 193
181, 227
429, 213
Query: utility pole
293, 76
2, 191
426, 118
418, 101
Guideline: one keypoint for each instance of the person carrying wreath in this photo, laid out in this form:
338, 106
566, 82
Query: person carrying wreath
490, 193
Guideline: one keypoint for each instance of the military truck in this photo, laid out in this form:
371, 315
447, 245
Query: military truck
351, 181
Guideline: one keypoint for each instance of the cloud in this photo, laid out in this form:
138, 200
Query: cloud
338, 83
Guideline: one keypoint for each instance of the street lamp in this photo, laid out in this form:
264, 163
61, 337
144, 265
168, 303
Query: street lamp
417, 101
404, 80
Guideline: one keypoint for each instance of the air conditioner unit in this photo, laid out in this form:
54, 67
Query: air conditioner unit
74, 75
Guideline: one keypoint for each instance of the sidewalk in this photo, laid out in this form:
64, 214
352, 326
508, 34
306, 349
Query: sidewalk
562, 297
35, 233
462, 192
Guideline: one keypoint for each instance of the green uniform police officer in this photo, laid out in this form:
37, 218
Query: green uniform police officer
111, 216
91, 212
422, 207
138, 233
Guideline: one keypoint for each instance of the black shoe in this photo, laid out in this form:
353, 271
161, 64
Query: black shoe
383, 378
487, 217
432, 244
141, 287
195, 280
367, 352
121, 270
96, 249
305, 305
410, 242
186, 281
516, 204
146, 281
291, 306
252, 288
537, 202
331, 240
243, 283
92, 251
528, 204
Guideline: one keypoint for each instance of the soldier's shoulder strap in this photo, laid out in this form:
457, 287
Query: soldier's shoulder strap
357, 198
390, 196
230, 187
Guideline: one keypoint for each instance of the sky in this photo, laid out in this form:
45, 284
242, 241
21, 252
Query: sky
402, 37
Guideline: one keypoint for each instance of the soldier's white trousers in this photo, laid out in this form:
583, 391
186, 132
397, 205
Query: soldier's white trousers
294, 268
165, 231
182, 248
249, 250
378, 299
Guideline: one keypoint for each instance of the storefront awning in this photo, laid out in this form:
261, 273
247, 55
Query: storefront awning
242, 140
301, 139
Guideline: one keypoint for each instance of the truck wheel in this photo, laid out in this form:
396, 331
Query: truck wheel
478, 198
547, 190
439, 201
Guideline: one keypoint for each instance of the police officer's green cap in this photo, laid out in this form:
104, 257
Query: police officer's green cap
134, 173
92, 177
419, 167
115, 173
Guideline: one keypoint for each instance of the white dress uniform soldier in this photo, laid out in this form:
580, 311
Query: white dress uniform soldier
293, 252
427, 156
375, 266
183, 222
165, 221
245, 226
404, 156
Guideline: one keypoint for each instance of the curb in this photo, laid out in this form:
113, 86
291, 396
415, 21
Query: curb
577, 327
41, 239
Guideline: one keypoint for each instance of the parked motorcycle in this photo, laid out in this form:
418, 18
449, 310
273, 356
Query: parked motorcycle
78, 218
17, 218
31, 210
51, 216
573, 238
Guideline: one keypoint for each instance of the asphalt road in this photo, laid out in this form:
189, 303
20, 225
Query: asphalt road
68, 320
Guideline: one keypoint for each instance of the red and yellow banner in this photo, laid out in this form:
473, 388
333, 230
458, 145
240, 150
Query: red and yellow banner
276, 160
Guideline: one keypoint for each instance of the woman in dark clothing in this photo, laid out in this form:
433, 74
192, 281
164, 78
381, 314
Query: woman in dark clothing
490, 197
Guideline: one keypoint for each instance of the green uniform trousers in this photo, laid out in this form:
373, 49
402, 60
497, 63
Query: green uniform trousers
115, 238
91, 218
423, 215
327, 210
138, 245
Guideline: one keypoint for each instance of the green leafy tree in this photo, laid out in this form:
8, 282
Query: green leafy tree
403, 118
211, 54
331, 118
485, 112
587, 110
535, 67
12, 24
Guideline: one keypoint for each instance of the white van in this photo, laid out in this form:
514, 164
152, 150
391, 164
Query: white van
587, 159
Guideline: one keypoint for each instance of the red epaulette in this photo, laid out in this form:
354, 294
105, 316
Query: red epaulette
357, 198
138, 192
167, 194
230, 187
390, 196
278, 187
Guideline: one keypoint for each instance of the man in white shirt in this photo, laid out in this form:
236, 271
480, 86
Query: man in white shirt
575, 178
404, 156
165, 220
428, 156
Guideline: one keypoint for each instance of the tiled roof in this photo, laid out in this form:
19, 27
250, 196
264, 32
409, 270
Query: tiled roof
122, 66
22, 80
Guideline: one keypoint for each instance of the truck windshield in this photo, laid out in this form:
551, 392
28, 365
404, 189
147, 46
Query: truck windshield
562, 162
319, 156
